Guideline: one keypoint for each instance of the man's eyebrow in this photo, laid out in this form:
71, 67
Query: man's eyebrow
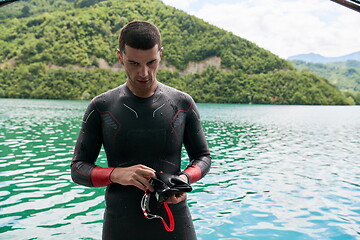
151, 61
131, 61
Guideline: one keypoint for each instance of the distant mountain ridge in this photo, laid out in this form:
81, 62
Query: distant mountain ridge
317, 58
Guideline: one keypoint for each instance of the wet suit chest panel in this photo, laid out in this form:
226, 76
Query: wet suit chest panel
143, 131
135, 130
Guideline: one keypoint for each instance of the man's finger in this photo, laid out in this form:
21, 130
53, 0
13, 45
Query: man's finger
176, 198
144, 184
145, 171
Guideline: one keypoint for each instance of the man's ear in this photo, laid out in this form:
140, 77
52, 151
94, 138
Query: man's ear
120, 57
161, 52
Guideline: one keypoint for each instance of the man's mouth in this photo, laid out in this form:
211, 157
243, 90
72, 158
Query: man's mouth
142, 81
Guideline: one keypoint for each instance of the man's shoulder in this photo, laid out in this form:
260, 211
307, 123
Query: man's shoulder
109, 95
107, 98
174, 93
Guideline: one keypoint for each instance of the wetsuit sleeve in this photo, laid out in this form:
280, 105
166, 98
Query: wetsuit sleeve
196, 147
87, 148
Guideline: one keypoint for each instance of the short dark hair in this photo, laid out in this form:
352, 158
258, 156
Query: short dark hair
140, 35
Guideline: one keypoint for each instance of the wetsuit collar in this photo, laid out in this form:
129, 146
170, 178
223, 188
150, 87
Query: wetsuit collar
141, 99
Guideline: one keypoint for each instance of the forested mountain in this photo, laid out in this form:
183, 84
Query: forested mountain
345, 75
65, 49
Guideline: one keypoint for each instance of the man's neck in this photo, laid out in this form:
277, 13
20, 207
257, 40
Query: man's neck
146, 93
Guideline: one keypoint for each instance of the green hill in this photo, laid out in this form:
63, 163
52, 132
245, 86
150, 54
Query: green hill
345, 75
65, 49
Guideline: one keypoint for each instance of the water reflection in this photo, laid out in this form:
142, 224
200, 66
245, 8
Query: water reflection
283, 171
279, 172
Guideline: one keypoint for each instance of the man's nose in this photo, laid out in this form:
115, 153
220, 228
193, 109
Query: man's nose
143, 72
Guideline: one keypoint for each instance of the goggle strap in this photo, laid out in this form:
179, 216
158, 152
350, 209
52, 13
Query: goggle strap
145, 208
171, 219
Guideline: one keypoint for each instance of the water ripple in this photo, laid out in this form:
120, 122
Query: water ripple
279, 172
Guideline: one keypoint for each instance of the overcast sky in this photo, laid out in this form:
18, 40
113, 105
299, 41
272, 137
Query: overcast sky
285, 27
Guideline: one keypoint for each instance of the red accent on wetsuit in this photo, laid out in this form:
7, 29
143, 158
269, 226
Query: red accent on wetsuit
100, 177
194, 172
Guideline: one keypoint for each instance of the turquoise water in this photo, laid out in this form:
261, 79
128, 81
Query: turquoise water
279, 172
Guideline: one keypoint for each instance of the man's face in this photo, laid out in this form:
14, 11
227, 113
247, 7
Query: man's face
141, 67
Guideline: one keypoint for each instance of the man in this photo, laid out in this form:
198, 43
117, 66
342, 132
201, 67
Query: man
142, 125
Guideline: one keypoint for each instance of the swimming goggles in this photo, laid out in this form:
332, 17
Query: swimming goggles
165, 185
146, 211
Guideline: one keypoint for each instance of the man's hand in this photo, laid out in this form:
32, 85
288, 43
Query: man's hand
138, 176
179, 197
176, 198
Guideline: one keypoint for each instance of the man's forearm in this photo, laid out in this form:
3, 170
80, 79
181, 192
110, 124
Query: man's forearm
198, 168
90, 175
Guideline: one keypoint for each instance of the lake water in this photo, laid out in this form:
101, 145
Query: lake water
279, 172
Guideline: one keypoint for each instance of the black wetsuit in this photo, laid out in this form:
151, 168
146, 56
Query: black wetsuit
148, 131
